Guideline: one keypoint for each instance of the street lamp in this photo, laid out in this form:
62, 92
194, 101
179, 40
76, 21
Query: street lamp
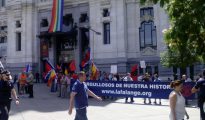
94, 32
97, 33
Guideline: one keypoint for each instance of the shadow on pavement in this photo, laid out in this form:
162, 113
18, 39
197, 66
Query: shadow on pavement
45, 101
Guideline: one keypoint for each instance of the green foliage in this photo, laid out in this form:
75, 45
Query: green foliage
186, 36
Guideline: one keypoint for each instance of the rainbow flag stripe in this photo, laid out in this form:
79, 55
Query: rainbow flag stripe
57, 16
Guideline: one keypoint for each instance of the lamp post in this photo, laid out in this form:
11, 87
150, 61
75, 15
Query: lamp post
94, 32
97, 33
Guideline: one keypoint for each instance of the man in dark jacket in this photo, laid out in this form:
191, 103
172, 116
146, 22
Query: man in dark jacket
200, 88
6, 90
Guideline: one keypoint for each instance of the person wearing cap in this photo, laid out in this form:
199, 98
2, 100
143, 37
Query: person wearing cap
6, 90
147, 79
80, 94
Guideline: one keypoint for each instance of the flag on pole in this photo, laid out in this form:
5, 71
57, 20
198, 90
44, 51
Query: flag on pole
48, 66
72, 66
57, 16
50, 77
66, 71
134, 72
50, 73
28, 68
94, 71
86, 59
58, 67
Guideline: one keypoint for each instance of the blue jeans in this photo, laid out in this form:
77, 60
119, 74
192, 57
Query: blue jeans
81, 114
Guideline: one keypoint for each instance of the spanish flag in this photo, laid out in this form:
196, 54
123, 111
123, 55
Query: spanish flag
94, 72
66, 71
72, 66
50, 73
134, 72
50, 77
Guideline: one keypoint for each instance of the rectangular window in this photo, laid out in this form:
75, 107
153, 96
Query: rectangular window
146, 11
148, 34
106, 13
154, 37
18, 24
142, 39
2, 3
84, 18
149, 69
156, 70
106, 27
3, 39
18, 41
3, 34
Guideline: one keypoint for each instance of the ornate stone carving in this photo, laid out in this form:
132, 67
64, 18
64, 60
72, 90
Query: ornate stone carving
148, 4
3, 34
3, 23
148, 51
105, 2
147, 18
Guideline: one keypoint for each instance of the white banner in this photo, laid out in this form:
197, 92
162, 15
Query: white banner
113, 69
142, 64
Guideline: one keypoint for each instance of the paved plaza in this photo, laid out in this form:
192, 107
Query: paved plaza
47, 106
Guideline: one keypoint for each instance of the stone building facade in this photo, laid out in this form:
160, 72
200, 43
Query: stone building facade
119, 32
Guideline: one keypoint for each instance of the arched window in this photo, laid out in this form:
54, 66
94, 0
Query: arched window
147, 30
147, 35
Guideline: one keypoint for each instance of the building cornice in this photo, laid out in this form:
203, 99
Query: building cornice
47, 5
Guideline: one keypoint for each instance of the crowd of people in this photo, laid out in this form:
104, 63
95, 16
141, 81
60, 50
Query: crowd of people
25, 82
67, 85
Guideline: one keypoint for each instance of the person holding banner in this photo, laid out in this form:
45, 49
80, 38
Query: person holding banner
80, 94
200, 88
157, 79
146, 78
177, 102
128, 78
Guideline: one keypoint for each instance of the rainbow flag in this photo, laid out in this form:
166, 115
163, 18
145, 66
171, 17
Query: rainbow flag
57, 16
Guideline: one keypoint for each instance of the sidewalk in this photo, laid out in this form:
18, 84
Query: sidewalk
47, 106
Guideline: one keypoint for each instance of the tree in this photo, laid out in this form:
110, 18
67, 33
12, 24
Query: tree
185, 39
